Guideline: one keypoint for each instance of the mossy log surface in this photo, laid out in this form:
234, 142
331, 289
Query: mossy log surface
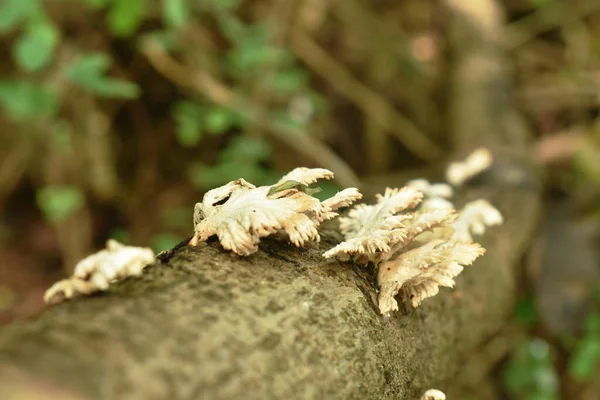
282, 323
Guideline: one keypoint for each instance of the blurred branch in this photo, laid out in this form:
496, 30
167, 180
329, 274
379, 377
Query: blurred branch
377, 144
312, 13
220, 94
551, 15
278, 19
480, 91
558, 90
14, 164
372, 104
559, 146
387, 40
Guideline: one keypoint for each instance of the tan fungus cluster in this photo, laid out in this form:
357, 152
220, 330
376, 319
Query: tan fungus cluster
413, 235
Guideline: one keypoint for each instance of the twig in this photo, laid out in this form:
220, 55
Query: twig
217, 92
371, 103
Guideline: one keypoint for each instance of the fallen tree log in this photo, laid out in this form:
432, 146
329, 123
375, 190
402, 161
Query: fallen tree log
284, 322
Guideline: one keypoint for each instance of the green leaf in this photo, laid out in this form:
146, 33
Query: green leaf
231, 26
205, 176
121, 235
164, 241
14, 12
111, 87
88, 72
530, 371
592, 323
293, 185
247, 150
526, 312
188, 117
125, 16
224, 4
22, 100
252, 52
175, 12
242, 158
35, 48
90, 64
247, 59
97, 4
289, 81
328, 189
58, 202
219, 119
584, 359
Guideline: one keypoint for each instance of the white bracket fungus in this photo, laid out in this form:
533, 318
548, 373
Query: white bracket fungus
417, 250
478, 161
97, 271
433, 394
239, 213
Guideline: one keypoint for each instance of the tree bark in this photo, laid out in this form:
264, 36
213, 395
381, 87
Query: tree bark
284, 322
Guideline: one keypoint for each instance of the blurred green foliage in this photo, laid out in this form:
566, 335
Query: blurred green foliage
43, 83
89, 72
242, 158
15, 12
584, 360
164, 241
35, 47
526, 313
59, 202
23, 100
585, 355
530, 373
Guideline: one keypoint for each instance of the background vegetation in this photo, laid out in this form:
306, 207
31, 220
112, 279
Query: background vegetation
116, 115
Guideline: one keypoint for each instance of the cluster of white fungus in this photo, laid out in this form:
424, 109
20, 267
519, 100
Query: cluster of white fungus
413, 235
